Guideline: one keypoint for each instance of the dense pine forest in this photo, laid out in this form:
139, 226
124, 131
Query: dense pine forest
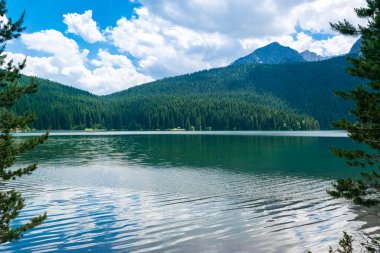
298, 96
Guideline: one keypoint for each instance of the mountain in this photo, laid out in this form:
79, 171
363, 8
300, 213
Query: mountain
311, 56
61, 107
356, 47
273, 53
307, 87
296, 96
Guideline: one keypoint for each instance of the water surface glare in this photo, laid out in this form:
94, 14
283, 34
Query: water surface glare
185, 193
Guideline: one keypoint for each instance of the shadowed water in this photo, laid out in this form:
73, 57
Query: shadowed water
185, 193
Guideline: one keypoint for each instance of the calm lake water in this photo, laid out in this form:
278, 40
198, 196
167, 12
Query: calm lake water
218, 192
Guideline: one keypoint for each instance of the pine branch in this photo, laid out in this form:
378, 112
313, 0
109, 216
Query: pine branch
11, 202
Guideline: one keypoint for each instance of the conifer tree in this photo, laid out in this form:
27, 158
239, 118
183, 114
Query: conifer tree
365, 129
11, 202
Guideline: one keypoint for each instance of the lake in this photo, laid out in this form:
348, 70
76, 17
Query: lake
186, 192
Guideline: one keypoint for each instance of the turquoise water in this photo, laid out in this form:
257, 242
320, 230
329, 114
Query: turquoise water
165, 192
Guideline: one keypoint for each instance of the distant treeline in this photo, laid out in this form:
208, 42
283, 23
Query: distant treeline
61, 107
250, 97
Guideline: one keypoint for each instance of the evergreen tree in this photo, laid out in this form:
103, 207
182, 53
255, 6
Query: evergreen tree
365, 129
11, 202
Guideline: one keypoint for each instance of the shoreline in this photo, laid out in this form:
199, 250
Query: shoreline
320, 133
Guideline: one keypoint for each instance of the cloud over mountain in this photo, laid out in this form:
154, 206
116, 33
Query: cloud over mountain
170, 37
66, 63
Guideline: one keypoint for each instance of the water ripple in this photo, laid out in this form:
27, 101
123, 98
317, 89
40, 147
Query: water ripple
124, 202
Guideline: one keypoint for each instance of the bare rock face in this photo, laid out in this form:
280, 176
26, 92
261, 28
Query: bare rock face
273, 53
311, 56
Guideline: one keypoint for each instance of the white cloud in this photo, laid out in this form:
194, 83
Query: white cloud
66, 51
253, 18
115, 73
84, 26
238, 18
172, 37
69, 65
336, 45
36, 66
175, 37
166, 49
316, 15
110, 79
105, 59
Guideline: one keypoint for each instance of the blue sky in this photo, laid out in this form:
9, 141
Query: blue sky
45, 14
105, 46
48, 14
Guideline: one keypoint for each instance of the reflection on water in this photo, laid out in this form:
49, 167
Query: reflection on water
176, 193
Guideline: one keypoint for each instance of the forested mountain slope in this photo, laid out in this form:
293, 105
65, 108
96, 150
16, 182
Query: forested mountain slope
62, 107
244, 97
307, 87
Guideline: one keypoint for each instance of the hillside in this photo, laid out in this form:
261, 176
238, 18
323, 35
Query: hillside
307, 87
62, 107
295, 96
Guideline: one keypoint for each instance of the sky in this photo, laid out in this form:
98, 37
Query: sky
104, 46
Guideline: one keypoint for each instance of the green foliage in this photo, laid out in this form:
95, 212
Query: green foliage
365, 128
223, 111
250, 97
71, 108
366, 125
308, 87
68, 108
346, 245
372, 244
11, 202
